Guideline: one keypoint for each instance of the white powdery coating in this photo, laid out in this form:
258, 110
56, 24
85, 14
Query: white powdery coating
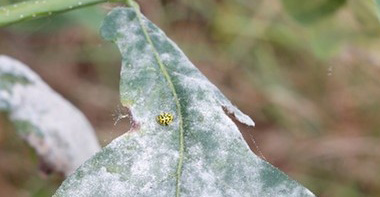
197, 79
62, 137
216, 159
110, 181
205, 178
131, 165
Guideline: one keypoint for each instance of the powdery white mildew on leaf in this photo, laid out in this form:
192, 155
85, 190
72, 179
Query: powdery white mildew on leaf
201, 153
59, 132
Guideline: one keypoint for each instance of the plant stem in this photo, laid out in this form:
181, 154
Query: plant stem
37, 8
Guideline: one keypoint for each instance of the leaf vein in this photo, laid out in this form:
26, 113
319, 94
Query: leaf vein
174, 92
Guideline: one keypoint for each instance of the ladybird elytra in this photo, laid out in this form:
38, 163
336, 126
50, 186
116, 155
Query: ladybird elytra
165, 119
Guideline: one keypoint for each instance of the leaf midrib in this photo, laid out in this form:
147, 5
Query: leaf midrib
173, 90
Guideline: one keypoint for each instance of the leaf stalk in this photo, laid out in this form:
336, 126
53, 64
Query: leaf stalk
27, 10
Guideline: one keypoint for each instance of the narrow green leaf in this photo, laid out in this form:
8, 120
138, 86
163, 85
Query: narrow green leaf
200, 153
306, 11
32, 9
50, 124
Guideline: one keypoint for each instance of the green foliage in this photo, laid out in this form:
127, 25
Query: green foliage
200, 153
367, 13
378, 7
306, 11
26, 10
88, 17
314, 84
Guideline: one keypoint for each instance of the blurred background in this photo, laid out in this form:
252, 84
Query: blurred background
307, 72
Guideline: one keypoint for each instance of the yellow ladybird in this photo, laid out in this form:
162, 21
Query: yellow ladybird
165, 119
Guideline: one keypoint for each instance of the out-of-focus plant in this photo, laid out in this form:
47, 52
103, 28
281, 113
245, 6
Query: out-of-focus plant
182, 137
47, 122
311, 11
314, 79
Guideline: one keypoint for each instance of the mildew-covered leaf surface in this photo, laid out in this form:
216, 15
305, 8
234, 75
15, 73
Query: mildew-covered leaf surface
200, 153
59, 132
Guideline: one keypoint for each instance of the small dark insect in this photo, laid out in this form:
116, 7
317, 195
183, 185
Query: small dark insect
165, 119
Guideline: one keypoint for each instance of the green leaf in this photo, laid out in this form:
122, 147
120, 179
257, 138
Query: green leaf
307, 11
367, 13
377, 2
201, 153
33, 9
46, 121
